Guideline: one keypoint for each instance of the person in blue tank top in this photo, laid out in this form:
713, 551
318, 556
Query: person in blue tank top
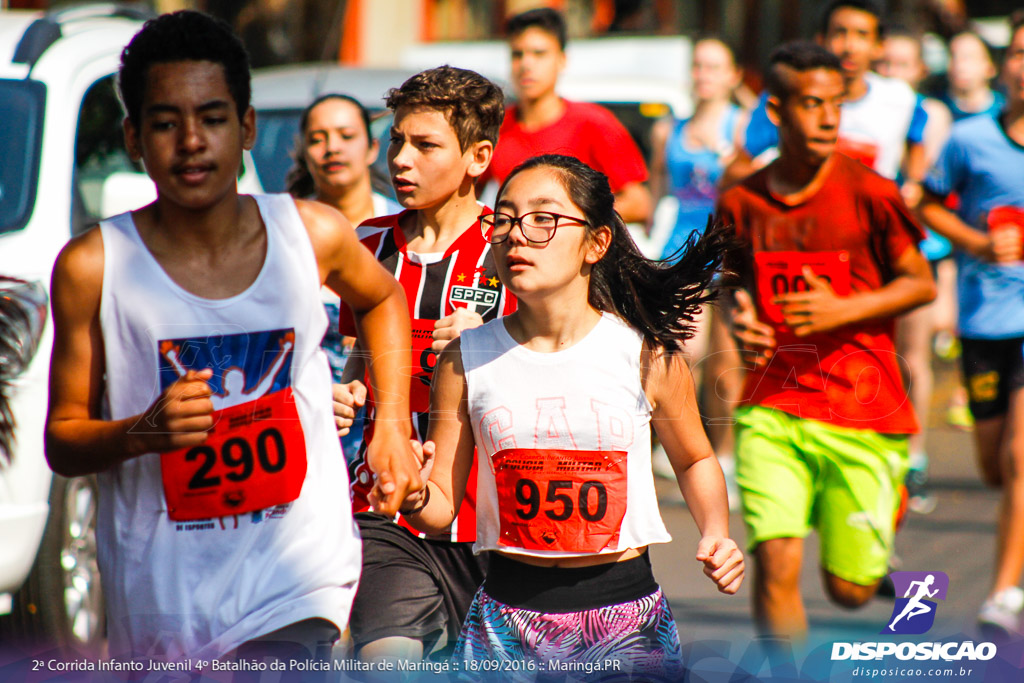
688, 155
982, 163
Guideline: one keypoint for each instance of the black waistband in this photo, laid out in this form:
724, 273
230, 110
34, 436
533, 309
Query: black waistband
559, 589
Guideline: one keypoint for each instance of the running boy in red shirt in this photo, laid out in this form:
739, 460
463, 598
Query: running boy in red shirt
445, 127
821, 437
542, 122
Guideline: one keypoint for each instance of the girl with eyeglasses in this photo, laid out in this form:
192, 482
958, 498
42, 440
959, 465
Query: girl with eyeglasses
559, 398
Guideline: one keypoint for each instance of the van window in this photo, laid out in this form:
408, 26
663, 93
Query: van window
99, 153
21, 110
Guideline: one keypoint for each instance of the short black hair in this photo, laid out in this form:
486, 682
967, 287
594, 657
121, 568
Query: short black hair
183, 37
870, 6
546, 19
800, 56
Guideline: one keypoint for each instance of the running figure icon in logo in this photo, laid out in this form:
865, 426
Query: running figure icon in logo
916, 587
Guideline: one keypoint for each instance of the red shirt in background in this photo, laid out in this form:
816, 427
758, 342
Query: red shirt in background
855, 228
586, 131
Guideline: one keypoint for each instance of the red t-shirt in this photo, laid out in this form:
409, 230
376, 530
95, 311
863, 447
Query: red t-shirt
852, 230
465, 277
586, 131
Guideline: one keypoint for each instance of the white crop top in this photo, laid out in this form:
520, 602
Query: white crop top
564, 443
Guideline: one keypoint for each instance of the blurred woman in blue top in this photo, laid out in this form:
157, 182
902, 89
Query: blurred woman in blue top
970, 74
688, 155
333, 163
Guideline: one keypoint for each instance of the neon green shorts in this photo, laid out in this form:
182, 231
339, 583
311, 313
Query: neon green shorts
796, 474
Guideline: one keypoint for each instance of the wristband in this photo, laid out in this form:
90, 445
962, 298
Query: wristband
423, 503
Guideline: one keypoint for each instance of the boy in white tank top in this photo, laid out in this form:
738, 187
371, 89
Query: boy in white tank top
186, 373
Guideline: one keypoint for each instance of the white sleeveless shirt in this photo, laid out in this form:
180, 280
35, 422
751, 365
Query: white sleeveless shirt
199, 588
564, 443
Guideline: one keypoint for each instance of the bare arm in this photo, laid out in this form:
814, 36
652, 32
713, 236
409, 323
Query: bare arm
77, 440
741, 166
676, 420
659, 139
382, 320
451, 440
633, 202
1001, 247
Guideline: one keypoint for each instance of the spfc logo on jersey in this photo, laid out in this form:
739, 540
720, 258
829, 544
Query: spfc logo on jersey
476, 299
469, 293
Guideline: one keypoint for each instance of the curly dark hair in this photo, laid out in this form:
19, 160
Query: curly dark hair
660, 299
180, 37
473, 105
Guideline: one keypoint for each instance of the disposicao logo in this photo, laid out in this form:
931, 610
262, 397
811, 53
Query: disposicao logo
914, 614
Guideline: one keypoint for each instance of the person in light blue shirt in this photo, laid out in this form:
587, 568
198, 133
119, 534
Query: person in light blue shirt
983, 162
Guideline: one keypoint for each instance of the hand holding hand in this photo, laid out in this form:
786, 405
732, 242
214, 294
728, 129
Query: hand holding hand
396, 464
417, 500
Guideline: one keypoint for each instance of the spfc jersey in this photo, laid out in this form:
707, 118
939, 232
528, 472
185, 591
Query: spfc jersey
435, 285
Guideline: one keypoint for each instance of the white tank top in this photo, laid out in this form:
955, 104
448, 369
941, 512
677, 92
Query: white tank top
199, 588
879, 122
564, 442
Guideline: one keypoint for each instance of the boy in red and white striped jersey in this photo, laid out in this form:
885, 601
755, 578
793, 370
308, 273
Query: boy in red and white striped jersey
444, 131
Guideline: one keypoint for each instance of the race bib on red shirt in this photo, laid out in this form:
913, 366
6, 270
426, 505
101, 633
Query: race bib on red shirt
859, 150
781, 272
253, 458
423, 363
560, 500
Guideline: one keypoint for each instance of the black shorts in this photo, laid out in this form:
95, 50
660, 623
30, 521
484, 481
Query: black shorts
410, 586
993, 369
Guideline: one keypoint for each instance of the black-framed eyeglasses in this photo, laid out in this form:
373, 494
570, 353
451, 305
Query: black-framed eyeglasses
538, 226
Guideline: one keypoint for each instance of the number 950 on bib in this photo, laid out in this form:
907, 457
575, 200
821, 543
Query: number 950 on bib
560, 500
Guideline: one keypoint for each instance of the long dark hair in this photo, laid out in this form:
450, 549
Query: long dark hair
658, 298
299, 181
